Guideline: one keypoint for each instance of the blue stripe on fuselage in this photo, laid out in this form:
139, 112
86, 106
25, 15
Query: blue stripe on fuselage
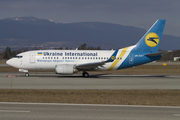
137, 58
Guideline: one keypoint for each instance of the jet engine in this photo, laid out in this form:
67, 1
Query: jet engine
65, 69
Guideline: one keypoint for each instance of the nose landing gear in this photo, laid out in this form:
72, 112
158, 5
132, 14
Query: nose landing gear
24, 71
27, 74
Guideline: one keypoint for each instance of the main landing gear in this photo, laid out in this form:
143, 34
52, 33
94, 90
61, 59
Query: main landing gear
27, 74
85, 74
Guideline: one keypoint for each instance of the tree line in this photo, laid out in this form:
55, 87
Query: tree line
8, 53
82, 47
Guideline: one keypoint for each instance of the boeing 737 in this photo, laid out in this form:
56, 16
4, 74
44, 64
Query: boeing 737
72, 61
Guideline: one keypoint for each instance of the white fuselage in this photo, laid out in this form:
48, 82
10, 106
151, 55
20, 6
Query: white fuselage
33, 61
48, 59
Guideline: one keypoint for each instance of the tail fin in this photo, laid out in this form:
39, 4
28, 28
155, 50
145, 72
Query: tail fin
149, 43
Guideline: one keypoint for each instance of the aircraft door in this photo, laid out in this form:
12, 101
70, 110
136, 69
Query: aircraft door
32, 57
131, 58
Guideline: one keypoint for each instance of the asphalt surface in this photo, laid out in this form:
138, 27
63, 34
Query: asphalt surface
95, 81
28, 111
35, 111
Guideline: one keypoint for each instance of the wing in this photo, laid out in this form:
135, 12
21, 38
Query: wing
95, 65
90, 66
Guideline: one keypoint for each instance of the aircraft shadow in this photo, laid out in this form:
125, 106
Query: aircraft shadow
102, 76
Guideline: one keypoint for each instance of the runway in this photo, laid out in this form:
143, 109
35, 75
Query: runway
46, 111
95, 81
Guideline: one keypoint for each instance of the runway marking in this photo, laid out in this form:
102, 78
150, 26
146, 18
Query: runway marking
95, 105
178, 115
15, 111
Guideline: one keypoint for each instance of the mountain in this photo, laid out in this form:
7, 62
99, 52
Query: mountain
20, 32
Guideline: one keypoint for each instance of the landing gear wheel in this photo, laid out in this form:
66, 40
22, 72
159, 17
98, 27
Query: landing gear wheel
27, 74
85, 74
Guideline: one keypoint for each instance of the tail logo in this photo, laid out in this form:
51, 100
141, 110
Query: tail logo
152, 39
112, 57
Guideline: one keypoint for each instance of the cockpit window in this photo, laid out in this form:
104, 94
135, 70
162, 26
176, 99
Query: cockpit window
18, 56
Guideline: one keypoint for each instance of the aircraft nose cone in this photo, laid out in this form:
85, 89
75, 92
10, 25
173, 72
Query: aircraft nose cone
9, 62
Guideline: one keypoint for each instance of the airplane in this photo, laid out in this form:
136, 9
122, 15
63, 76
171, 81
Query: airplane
71, 61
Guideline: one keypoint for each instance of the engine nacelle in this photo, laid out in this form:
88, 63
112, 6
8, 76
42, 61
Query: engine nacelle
65, 69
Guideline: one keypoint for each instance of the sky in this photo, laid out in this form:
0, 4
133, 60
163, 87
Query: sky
139, 13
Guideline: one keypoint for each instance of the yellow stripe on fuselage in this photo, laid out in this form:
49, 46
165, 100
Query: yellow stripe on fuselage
117, 60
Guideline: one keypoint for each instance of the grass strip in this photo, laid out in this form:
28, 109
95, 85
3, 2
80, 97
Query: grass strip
118, 97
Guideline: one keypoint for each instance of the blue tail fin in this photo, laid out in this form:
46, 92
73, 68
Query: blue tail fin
149, 43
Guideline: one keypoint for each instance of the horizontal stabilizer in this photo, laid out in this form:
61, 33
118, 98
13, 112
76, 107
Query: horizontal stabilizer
157, 54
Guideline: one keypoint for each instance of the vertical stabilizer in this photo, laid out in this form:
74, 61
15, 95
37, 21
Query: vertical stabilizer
149, 43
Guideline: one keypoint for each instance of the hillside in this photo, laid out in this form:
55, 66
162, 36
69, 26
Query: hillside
32, 32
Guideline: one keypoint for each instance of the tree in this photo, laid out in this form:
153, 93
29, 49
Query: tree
66, 48
82, 47
98, 48
7, 53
